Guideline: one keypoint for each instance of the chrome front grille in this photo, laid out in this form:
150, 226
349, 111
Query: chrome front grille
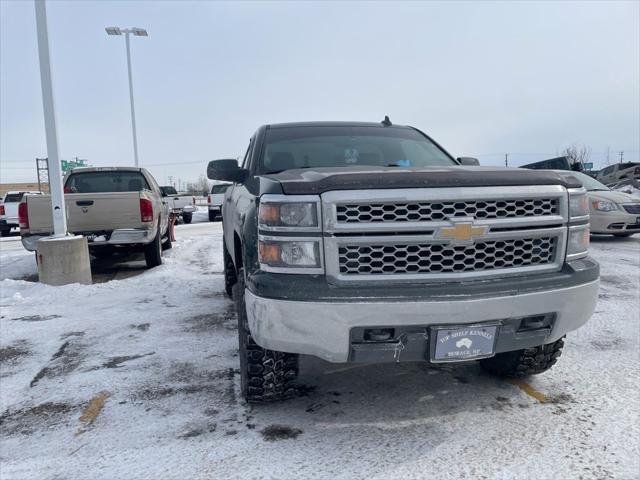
435, 211
403, 258
443, 234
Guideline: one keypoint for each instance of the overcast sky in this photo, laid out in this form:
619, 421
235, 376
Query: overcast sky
482, 78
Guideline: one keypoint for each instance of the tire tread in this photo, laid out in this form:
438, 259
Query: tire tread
522, 363
266, 375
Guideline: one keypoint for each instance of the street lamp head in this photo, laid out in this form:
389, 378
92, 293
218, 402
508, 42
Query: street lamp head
139, 32
113, 31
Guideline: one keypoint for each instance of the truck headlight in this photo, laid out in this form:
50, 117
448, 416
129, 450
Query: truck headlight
578, 203
289, 212
290, 256
604, 206
578, 243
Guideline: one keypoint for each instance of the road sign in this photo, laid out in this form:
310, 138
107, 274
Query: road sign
71, 164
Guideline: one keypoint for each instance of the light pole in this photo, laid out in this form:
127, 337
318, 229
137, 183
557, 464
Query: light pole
138, 32
51, 132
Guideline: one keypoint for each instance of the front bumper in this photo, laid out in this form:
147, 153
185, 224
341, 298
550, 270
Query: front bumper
325, 329
614, 222
117, 237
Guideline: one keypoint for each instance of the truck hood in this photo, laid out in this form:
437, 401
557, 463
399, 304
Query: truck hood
318, 180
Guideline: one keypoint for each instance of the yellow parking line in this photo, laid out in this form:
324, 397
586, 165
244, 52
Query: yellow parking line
92, 411
529, 390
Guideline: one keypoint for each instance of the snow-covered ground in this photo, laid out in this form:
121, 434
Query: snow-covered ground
138, 378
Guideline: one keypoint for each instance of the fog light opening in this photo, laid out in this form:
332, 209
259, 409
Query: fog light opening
534, 323
378, 334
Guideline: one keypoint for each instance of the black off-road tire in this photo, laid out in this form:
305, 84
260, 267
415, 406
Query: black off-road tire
187, 217
153, 251
522, 363
265, 375
230, 276
212, 216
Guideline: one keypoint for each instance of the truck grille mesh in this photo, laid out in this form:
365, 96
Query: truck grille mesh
436, 211
443, 258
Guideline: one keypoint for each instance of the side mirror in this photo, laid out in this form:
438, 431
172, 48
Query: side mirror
469, 161
226, 170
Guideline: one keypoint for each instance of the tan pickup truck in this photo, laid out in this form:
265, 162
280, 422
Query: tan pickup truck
115, 208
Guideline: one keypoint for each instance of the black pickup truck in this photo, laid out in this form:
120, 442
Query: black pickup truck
368, 242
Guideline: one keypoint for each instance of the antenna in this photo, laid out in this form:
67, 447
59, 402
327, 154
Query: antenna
386, 122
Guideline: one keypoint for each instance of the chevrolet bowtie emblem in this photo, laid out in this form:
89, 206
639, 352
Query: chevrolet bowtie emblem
461, 232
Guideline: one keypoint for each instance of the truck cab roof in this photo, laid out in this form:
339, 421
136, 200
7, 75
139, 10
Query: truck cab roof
334, 124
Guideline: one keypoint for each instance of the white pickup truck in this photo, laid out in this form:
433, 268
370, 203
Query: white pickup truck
9, 210
180, 204
216, 197
119, 208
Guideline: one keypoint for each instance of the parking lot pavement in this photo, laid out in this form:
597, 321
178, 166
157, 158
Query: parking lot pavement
138, 377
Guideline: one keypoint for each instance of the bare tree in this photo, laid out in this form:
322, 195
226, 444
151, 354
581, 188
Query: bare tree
199, 187
577, 154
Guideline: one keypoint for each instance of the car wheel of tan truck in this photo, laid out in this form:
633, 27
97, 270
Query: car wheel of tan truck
153, 251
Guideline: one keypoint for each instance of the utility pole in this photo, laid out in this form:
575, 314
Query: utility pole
608, 155
621, 155
506, 159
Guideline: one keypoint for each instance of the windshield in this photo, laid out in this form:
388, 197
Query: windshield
590, 183
13, 197
348, 146
101, 182
219, 188
169, 190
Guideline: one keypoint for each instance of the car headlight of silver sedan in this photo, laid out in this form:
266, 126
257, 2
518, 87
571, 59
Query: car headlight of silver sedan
604, 206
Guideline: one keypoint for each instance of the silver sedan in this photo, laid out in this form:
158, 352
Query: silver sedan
612, 212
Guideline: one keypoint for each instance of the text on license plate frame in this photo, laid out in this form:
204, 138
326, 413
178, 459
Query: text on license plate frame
439, 338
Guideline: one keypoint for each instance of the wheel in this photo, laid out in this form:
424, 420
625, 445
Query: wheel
521, 363
153, 251
265, 375
212, 215
622, 235
186, 217
230, 277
